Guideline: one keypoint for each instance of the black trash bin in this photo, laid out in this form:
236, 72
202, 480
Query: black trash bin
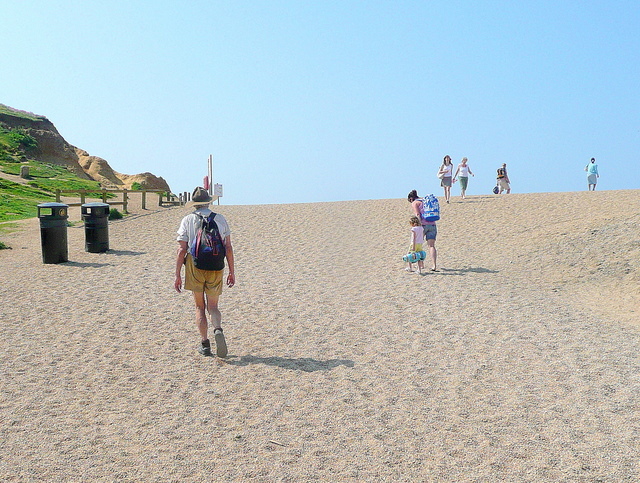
96, 227
53, 232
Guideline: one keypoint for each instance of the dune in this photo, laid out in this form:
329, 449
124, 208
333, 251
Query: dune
517, 361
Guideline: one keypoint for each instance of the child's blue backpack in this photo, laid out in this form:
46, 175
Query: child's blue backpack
430, 208
208, 249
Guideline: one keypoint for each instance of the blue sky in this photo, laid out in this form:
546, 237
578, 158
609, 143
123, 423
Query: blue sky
304, 101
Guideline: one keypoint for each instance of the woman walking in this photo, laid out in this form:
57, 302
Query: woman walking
592, 174
445, 173
429, 227
462, 173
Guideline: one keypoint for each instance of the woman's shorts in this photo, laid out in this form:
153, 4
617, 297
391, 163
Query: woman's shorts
592, 179
464, 182
207, 281
446, 182
430, 231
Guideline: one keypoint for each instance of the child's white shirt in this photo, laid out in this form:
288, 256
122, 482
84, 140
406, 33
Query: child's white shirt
419, 234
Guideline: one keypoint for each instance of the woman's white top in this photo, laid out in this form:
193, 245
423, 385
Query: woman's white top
463, 171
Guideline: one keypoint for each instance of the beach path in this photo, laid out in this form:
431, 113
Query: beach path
517, 361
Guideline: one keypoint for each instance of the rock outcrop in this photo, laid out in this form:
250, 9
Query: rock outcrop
53, 148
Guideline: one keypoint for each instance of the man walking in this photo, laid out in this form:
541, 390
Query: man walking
206, 285
503, 180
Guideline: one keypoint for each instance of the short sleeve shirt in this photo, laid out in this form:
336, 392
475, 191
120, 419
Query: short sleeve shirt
190, 224
419, 231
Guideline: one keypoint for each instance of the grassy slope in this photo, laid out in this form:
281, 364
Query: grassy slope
18, 201
17, 113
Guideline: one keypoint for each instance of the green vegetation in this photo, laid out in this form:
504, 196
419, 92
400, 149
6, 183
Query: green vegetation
17, 113
67, 182
16, 139
18, 201
3, 246
114, 214
50, 177
136, 186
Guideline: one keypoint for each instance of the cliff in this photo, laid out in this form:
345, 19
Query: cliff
53, 148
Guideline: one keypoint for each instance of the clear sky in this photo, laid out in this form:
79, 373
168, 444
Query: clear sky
302, 101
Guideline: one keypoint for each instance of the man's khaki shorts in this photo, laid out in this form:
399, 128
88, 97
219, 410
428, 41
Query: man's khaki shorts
207, 281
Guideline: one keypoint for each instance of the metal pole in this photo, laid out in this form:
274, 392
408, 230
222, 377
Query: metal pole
210, 174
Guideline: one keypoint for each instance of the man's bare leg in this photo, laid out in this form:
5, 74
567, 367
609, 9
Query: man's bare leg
216, 322
201, 315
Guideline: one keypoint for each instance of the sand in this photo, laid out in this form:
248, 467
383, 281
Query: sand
518, 361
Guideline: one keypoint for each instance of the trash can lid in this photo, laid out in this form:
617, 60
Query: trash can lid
52, 204
95, 204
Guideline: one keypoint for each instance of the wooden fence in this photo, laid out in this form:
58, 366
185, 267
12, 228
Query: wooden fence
83, 193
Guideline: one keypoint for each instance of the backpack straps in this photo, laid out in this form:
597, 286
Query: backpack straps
205, 219
208, 222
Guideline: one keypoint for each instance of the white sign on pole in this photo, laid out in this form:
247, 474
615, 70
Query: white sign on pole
217, 189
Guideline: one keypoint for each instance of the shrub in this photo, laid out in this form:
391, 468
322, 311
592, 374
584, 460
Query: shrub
4, 247
20, 137
137, 186
114, 214
8, 158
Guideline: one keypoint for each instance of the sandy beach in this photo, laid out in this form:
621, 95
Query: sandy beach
518, 361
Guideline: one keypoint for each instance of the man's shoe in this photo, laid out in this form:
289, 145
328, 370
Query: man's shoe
205, 351
221, 344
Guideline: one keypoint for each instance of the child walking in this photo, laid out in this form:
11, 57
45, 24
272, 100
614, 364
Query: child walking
417, 239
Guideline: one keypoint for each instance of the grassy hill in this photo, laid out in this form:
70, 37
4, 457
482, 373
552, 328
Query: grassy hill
17, 113
19, 198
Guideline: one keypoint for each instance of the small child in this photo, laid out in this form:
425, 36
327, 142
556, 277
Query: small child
417, 239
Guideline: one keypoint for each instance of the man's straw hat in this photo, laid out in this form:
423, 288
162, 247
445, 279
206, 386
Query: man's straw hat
200, 196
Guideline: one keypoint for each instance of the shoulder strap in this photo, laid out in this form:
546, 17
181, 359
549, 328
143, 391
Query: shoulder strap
211, 222
202, 219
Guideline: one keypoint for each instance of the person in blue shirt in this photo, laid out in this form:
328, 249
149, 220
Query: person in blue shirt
592, 174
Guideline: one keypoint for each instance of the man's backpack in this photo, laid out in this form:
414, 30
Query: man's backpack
208, 249
430, 208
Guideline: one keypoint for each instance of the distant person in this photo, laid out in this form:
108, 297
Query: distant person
502, 181
417, 240
592, 174
462, 174
445, 173
429, 227
206, 285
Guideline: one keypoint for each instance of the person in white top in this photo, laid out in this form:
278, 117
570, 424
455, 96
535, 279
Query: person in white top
206, 285
462, 174
445, 173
